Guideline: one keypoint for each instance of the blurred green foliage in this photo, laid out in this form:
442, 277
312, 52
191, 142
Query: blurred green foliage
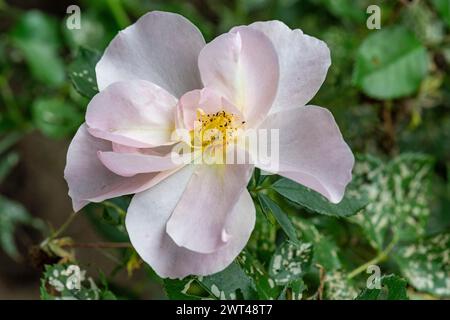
389, 90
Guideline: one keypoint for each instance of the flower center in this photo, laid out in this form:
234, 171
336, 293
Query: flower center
216, 129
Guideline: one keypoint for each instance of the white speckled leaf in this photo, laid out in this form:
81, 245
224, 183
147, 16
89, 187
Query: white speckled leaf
426, 264
69, 282
393, 288
290, 261
338, 287
398, 193
82, 72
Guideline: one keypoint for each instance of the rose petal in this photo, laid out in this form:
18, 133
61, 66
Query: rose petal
161, 47
146, 225
130, 164
135, 113
199, 219
303, 60
243, 67
90, 181
77, 205
207, 100
312, 150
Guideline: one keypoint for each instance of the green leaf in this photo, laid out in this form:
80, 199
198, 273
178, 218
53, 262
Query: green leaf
387, 71
36, 37
243, 279
258, 179
37, 26
12, 215
111, 231
82, 72
262, 243
290, 261
297, 287
426, 264
69, 282
325, 250
7, 162
265, 285
44, 63
393, 288
268, 204
398, 193
443, 8
293, 290
9, 140
229, 284
350, 205
345, 9
177, 289
115, 210
55, 117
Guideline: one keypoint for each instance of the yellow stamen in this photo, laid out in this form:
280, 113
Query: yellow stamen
214, 129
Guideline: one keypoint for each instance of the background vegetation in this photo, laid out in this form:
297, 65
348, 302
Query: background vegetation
389, 90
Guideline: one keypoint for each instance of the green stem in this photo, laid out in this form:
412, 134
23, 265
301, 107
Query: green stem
60, 231
115, 207
382, 256
64, 227
258, 189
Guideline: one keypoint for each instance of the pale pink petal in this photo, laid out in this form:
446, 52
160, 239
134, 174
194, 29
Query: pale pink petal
146, 225
243, 67
116, 147
130, 164
161, 47
199, 219
90, 181
207, 100
312, 150
154, 151
303, 60
77, 205
134, 113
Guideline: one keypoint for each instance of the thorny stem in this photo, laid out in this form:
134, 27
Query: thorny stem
382, 256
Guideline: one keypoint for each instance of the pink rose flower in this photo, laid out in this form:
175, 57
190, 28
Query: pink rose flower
158, 75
